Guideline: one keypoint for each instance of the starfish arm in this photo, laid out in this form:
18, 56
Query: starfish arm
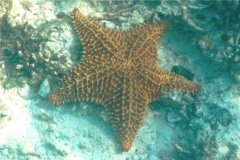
144, 35
173, 81
158, 80
149, 28
141, 43
81, 83
126, 108
95, 38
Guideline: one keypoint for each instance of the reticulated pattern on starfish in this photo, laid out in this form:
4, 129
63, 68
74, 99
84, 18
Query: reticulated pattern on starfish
119, 69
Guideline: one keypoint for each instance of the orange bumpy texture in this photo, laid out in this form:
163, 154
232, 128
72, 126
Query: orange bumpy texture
119, 69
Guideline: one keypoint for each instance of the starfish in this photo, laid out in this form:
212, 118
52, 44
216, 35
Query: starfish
119, 69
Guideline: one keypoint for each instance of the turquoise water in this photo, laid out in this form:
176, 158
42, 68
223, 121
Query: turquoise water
38, 45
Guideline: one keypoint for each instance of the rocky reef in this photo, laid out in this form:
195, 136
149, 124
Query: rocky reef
38, 45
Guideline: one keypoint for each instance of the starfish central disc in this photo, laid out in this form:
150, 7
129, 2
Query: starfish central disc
126, 66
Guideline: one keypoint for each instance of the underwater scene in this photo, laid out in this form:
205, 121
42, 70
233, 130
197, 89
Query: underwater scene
119, 80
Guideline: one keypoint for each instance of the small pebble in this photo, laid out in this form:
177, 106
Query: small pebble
44, 89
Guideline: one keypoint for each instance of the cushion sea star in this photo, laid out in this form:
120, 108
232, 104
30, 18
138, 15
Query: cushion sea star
119, 69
